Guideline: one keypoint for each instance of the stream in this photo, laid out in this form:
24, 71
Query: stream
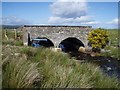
109, 65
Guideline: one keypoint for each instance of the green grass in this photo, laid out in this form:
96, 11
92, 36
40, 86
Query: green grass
114, 52
113, 46
11, 38
12, 42
19, 74
43, 68
10, 33
113, 37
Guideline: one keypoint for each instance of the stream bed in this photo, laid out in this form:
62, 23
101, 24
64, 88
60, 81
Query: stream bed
109, 65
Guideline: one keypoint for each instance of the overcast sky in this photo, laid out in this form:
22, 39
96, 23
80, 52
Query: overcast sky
96, 14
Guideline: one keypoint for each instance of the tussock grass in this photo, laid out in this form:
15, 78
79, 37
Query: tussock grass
52, 69
19, 74
60, 71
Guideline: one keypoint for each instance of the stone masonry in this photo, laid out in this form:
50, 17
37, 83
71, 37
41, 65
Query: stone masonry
56, 33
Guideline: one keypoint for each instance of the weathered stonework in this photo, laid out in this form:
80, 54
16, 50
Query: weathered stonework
56, 33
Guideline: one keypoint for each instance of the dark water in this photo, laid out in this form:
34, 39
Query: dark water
111, 68
109, 65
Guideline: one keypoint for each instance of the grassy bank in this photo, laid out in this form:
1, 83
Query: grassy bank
28, 67
113, 48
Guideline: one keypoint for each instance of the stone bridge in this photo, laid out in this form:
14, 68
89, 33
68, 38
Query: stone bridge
56, 33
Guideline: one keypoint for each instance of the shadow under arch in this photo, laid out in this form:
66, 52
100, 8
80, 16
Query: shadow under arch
42, 41
70, 44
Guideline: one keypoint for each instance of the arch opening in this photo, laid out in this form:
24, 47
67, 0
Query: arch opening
70, 44
42, 41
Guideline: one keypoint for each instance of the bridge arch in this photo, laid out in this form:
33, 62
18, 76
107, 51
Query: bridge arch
71, 44
43, 41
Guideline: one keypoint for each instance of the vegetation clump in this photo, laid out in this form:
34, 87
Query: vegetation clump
98, 39
44, 68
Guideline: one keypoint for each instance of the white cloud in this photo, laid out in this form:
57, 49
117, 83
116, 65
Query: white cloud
91, 23
61, 20
14, 21
83, 19
114, 21
69, 12
74, 12
69, 9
